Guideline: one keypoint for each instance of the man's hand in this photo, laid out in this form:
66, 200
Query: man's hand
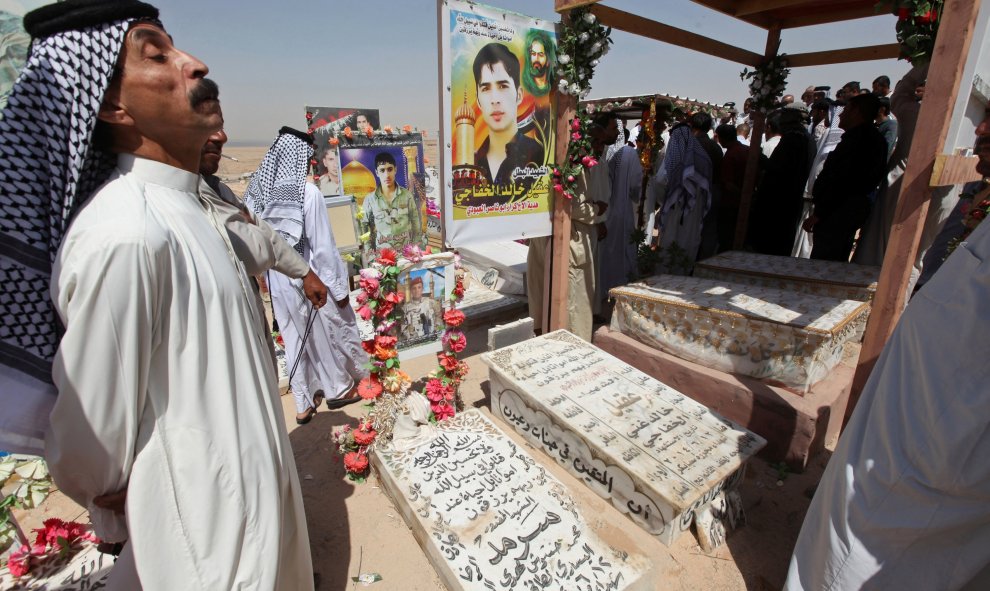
112, 502
343, 303
315, 290
602, 206
809, 224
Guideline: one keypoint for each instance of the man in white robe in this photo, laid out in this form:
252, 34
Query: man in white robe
255, 243
686, 177
166, 392
323, 346
905, 500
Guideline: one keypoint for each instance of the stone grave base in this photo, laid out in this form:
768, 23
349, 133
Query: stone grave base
795, 427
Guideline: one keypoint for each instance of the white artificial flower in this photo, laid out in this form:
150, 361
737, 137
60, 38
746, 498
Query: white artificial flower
575, 88
564, 58
596, 47
589, 18
593, 63
583, 37
585, 92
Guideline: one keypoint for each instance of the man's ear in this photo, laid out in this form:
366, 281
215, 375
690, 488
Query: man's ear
519, 96
111, 109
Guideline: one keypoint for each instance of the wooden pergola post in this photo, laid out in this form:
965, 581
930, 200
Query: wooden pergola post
955, 34
560, 243
753, 162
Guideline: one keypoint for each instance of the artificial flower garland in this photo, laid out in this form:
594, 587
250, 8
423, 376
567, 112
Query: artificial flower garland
56, 538
582, 42
579, 156
767, 82
917, 26
387, 385
973, 216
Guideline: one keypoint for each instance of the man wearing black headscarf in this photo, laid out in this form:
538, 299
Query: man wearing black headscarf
181, 454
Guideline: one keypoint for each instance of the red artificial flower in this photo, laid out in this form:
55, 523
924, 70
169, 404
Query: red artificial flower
362, 298
558, 188
364, 312
394, 297
576, 136
368, 346
387, 129
453, 318
369, 388
365, 435
309, 115
280, 340
455, 340
388, 257
368, 131
334, 142
348, 133
978, 214
447, 361
407, 128
355, 462
459, 290
926, 19
442, 411
386, 341
576, 124
384, 309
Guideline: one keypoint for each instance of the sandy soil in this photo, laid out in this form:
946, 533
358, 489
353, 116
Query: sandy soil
355, 528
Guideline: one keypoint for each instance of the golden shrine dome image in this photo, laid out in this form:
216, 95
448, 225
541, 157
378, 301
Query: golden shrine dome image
357, 179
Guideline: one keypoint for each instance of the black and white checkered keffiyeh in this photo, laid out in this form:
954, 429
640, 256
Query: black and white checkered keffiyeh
275, 193
47, 169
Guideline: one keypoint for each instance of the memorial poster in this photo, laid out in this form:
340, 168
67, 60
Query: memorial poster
497, 123
327, 122
385, 176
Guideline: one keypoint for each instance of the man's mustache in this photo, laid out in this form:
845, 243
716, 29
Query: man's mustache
204, 91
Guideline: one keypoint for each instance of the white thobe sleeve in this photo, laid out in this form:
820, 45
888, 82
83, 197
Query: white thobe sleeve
284, 258
323, 253
108, 300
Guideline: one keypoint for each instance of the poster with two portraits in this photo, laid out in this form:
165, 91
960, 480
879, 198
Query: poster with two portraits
497, 123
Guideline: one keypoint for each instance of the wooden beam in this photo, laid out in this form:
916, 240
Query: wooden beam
944, 79
637, 25
753, 161
747, 7
560, 242
842, 56
953, 169
565, 5
834, 16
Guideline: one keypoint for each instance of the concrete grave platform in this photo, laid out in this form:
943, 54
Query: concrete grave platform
660, 457
796, 427
489, 516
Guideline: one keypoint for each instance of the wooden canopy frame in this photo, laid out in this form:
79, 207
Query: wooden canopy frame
927, 165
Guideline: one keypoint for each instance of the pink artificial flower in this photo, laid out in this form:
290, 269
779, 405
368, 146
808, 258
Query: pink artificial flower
576, 124
412, 252
570, 178
442, 411
435, 390
369, 285
365, 312
576, 136
19, 562
370, 273
586, 161
558, 188
362, 298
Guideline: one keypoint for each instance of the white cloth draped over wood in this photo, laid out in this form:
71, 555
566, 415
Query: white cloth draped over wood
166, 389
905, 500
687, 176
332, 359
618, 253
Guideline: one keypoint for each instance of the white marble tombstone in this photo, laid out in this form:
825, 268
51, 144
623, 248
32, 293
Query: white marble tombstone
660, 457
490, 517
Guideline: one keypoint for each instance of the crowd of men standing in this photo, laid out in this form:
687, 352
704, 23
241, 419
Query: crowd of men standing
826, 186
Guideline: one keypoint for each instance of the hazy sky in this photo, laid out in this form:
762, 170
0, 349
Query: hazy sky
272, 58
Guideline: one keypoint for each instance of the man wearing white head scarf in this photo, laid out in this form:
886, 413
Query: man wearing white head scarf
330, 359
167, 426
